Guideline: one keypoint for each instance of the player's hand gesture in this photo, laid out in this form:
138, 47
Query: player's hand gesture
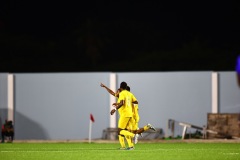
112, 111
102, 85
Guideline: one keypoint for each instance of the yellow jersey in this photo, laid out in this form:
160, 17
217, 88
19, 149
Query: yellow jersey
126, 109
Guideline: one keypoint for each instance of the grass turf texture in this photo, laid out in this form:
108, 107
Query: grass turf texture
109, 151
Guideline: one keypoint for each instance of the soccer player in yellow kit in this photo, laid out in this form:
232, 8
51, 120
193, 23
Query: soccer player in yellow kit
125, 101
132, 125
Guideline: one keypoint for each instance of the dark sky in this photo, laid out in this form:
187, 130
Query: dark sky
56, 36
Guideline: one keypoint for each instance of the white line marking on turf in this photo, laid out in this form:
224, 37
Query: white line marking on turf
38, 151
231, 153
59, 150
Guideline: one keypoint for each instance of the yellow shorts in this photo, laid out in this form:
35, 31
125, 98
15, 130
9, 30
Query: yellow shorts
133, 124
123, 122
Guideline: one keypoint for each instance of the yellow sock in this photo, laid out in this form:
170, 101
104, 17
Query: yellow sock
122, 141
126, 133
146, 128
129, 140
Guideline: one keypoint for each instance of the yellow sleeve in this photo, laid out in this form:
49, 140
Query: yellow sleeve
133, 98
121, 97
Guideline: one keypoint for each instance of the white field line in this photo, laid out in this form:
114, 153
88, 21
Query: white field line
59, 150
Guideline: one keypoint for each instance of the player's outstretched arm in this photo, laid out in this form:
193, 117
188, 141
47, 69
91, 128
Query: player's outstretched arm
109, 90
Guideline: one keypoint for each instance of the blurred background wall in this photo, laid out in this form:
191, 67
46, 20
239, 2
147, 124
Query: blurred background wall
56, 106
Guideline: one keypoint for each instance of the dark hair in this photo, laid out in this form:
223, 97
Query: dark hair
128, 88
123, 85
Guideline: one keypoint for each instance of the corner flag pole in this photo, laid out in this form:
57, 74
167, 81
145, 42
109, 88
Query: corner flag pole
90, 128
90, 132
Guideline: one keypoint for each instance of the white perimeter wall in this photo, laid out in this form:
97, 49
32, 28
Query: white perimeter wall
57, 105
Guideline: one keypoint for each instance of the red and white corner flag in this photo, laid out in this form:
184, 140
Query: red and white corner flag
92, 118
90, 128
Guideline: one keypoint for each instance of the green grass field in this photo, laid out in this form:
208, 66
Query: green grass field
109, 151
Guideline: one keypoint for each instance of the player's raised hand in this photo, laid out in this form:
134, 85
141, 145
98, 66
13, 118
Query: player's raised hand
102, 85
112, 111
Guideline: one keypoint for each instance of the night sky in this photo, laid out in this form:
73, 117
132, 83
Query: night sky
56, 36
